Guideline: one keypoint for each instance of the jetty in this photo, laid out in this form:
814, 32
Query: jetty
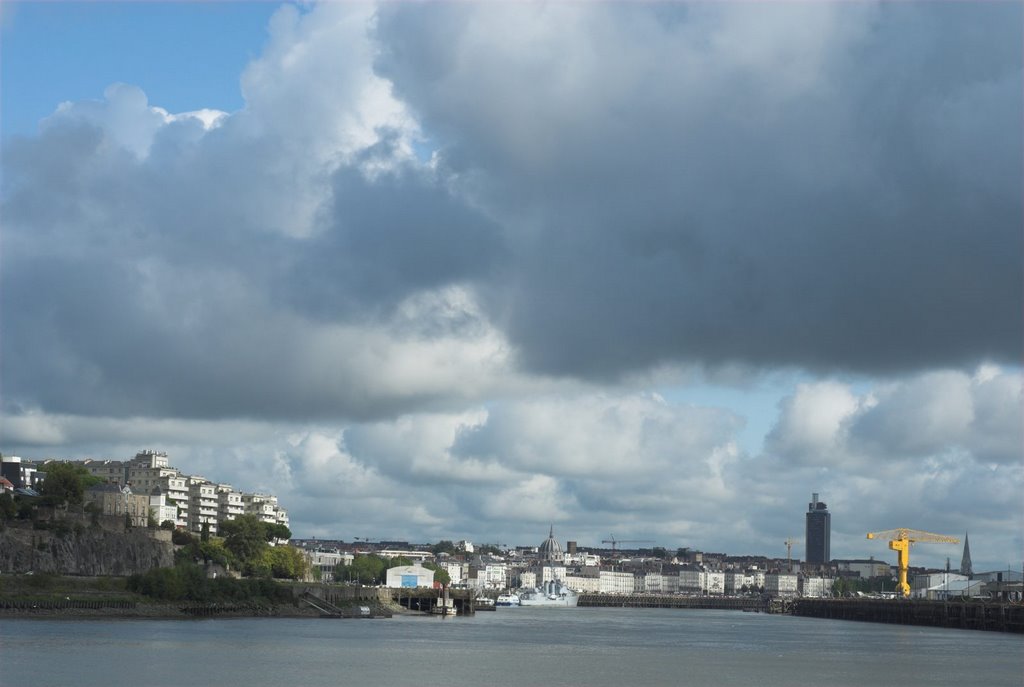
966, 614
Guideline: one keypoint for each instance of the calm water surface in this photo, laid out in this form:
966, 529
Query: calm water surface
542, 647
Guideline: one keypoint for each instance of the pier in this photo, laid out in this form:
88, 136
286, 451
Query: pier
426, 599
962, 614
674, 601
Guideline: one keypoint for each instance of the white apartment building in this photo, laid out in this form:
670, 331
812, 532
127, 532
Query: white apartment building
583, 584
754, 578
714, 583
107, 470
613, 582
160, 508
581, 559
229, 503
734, 581
203, 504
692, 582
780, 584
457, 572
196, 499
264, 506
175, 488
550, 573
816, 587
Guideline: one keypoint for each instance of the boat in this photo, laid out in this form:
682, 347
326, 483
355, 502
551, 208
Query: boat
551, 594
445, 605
507, 600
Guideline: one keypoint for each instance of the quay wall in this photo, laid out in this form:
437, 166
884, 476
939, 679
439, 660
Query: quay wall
966, 614
673, 601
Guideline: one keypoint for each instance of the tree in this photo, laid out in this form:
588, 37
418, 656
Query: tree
245, 537
8, 509
443, 546
277, 531
363, 569
441, 575
66, 483
287, 562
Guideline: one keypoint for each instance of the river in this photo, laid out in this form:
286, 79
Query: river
513, 646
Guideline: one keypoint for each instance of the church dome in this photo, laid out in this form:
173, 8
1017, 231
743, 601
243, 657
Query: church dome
550, 550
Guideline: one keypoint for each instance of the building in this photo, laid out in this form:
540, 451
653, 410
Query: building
202, 506
409, 576
965, 561
159, 507
457, 571
781, 584
816, 587
114, 499
197, 501
864, 567
818, 532
692, 581
615, 582
734, 581
229, 503
583, 584
19, 473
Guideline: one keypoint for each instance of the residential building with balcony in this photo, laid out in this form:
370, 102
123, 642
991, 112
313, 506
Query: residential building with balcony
203, 505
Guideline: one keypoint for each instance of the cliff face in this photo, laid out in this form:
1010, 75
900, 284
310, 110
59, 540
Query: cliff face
81, 551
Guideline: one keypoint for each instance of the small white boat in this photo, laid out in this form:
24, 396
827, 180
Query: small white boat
507, 600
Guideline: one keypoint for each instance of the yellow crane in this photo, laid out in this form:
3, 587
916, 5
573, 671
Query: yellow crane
900, 540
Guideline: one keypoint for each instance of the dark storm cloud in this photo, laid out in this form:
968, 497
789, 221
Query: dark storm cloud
614, 187
838, 188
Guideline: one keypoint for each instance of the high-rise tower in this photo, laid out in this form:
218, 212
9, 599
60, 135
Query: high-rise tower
818, 532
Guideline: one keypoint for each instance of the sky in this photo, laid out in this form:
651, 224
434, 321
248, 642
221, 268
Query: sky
466, 270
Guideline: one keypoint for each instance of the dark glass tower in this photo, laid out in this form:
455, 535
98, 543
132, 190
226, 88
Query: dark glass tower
817, 536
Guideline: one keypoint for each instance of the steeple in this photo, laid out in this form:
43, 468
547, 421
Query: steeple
965, 562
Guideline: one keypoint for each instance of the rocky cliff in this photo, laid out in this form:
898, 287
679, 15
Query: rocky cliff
77, 549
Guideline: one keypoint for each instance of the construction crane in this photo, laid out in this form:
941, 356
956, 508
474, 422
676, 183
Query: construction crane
613, 541
789, 553
900, 541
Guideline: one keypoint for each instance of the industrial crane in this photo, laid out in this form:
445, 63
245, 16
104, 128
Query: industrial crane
789, 554
900, 540
613, 541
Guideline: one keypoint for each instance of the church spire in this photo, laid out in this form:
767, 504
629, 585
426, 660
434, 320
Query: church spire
965, 562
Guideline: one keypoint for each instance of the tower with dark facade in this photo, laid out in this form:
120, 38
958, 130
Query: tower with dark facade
818, 532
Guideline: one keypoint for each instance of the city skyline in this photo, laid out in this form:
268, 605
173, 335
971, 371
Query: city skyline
646, 271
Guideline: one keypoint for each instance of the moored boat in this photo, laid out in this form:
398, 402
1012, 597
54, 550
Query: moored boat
507, 600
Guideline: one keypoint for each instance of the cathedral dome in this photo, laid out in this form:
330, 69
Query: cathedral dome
550, 550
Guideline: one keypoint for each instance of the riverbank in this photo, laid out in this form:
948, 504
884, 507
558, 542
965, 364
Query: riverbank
56, 596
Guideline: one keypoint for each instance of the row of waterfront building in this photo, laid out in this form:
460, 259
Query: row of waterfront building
148, 486
687, 573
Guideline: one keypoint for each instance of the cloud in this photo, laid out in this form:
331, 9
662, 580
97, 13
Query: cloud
689, 186
826, 423
812, 422
425, 279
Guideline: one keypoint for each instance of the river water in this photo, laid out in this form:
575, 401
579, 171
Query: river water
513, 646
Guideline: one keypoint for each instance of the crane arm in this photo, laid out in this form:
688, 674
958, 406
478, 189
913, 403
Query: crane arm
913, 536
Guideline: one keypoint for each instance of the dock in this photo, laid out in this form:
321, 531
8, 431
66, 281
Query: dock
674, 601
964, 614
